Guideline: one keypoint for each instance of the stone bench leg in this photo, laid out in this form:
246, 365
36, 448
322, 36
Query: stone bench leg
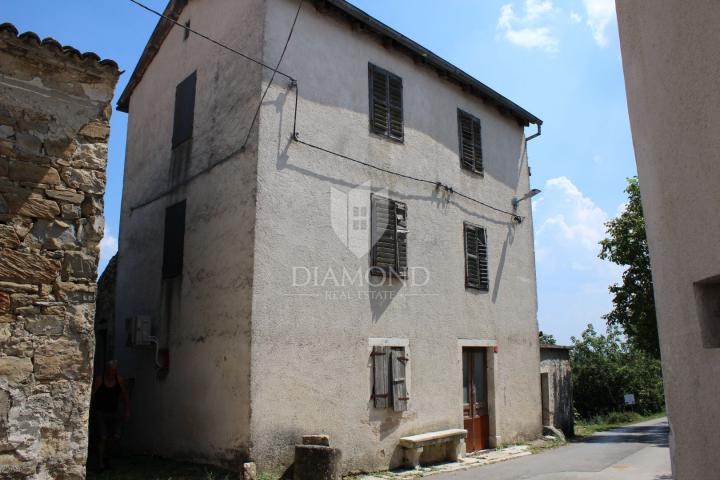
456, 450
412, 457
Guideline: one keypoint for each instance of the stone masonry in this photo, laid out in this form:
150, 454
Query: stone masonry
54, 127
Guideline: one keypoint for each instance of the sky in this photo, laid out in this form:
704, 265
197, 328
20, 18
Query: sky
559, 59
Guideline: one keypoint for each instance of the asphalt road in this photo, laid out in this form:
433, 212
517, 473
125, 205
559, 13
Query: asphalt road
635, 452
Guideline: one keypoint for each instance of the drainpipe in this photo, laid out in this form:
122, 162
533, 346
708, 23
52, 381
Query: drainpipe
537, 134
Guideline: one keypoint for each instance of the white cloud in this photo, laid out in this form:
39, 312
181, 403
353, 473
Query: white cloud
578, 219
575, 17
600, 13
524, 31
108, 248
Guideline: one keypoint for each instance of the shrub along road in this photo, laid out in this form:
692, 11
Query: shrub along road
634, 452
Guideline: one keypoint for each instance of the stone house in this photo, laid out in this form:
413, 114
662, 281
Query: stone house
671, 63
556, 388
54, 126
366, 278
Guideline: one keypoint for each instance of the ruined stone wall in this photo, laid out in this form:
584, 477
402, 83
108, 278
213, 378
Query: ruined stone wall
54, 114
555, 362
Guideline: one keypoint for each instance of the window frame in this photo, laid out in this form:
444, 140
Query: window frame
482, 287
372, 68
398, 269
390, 402
474, 119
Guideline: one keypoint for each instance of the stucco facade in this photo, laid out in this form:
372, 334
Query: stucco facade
270, 342
672, 63
556, 388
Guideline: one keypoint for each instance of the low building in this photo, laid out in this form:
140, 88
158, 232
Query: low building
671, 62
335, 251
556, 388
54, 127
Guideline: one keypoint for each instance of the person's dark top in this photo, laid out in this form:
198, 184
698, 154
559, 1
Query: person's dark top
107, 399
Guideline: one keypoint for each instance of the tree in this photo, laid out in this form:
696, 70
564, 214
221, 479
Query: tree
547, 339
633, 300
605, 368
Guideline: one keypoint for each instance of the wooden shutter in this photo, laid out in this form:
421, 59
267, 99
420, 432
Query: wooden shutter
174, 240
184, 110
483, 259
395, 101
386, 103
401, 238
476, 258
381, 371
399, 383
389, 219
470, 142
472, 263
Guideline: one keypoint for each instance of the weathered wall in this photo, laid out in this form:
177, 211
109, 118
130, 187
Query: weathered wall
671, 62
200, 409
310, 352
555, 361
54, 113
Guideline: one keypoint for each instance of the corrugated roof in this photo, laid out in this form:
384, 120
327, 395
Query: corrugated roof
56, 47
358, 19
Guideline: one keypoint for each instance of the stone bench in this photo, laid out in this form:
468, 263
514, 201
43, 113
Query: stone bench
413, 446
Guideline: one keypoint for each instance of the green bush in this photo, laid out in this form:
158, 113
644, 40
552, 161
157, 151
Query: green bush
605, 368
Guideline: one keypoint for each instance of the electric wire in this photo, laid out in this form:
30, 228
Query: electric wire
272, 77
206, 37
295, 135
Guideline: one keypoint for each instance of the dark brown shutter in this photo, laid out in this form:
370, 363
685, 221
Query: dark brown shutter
476, 258
483, 259
384, 240
378, 100
174, 240
401, 238
472, 263
381, 371
184, 110
389, 220
470, 142
395, 101
399, 383
386, 103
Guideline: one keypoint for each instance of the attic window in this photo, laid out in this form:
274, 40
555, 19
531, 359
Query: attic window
707, 296
186, 33
469, 132
184, 110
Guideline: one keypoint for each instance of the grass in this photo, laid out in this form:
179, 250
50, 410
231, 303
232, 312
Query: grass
599, 423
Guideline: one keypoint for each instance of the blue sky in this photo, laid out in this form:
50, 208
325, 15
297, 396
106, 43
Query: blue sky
559, 59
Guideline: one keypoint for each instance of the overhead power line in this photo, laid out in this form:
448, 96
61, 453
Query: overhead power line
206, 37
295, 135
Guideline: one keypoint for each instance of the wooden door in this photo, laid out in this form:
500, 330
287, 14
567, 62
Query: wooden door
475, 404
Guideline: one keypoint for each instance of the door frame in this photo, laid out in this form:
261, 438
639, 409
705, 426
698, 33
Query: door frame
493, 438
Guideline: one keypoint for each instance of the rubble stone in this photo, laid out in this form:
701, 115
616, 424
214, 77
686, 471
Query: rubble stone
53, 153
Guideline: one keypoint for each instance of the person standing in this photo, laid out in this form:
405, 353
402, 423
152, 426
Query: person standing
109, 390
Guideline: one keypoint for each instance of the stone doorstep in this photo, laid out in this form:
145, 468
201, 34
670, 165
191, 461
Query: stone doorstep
479, 459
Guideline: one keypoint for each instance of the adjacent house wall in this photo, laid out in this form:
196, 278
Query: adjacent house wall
672, 65
555, 362
199, 408
54, 126
311, 364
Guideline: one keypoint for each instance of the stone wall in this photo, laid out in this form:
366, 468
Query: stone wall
555, 362
54, 114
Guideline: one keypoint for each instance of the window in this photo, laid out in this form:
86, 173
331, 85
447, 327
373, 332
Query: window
174, 240
476, 258
469, 133
389, 380
386, 103
389, 237
707, 296
184, 110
